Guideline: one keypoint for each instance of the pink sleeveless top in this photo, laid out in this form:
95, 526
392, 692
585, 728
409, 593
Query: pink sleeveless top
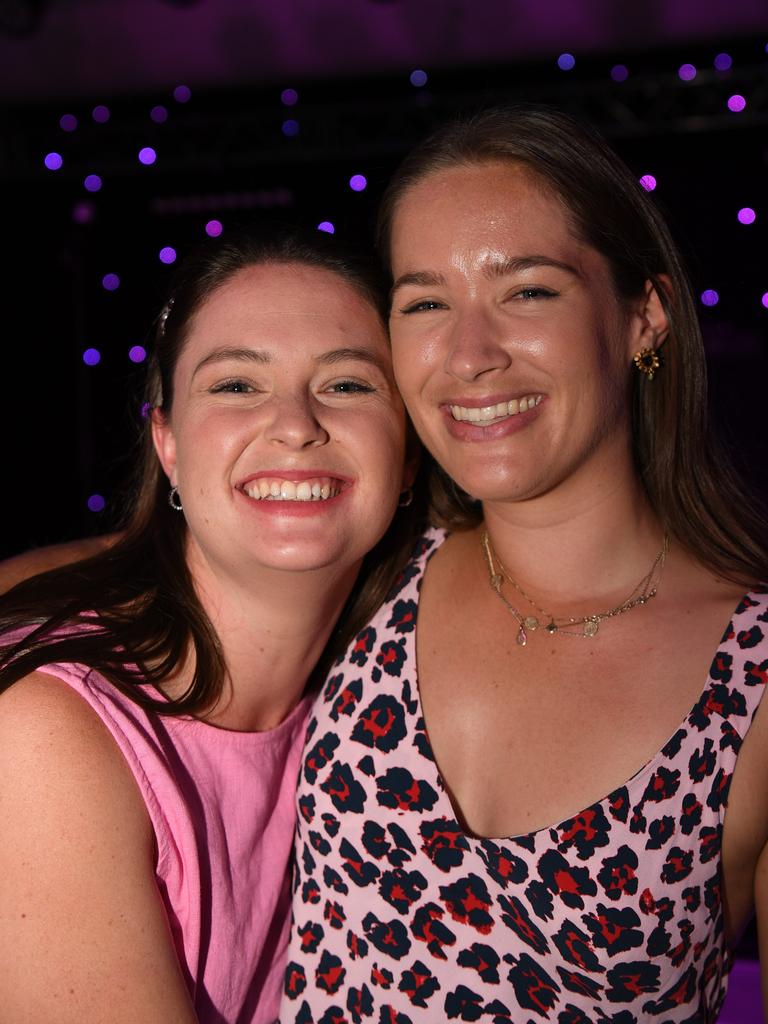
222, 807
401, 917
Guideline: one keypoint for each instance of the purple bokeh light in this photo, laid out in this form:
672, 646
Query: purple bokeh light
214, 228
289, 97
418, 78
709, 297
687, 72
182, 94
53, 161
619, 72
137, 353
147, 156
101, 114
723, 62
566, 61
358, 182
83, 212
91, 357
746, 215
92, 182
159, 114
67, 122
327, 227
764, 299
290, 128
110, 282
96, 503
736, 103
648, 182
167, 254
145, 410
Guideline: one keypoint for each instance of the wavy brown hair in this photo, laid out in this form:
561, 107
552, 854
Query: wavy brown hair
688, 476
135, 603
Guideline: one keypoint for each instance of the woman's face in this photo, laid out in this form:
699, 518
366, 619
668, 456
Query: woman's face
510, 347
286, 438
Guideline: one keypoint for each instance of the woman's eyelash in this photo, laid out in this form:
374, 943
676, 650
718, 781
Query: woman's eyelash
350, 387
236, 387
535, 293
423, 305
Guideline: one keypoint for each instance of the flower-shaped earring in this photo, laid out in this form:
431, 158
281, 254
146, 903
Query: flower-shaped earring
647, 361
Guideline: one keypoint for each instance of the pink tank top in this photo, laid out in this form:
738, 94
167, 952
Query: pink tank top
614, 915
222, 808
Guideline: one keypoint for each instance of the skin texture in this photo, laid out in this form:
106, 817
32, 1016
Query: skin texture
495, 298
309, 391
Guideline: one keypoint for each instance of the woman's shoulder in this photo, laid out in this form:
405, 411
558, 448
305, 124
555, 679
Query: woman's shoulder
46, 728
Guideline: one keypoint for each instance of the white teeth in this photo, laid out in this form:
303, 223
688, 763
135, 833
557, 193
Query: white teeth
490, 413
277, 489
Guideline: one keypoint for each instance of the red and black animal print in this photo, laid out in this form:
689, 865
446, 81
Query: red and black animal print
613, 915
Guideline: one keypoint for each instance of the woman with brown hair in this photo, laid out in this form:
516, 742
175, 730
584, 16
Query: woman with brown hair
513, 806
152, 707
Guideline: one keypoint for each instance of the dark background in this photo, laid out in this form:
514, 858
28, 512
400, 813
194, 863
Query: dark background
223, 153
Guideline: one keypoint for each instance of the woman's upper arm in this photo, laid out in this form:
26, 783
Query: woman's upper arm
30, 563
83, 931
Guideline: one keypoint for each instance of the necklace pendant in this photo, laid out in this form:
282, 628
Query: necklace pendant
551, 628
522, 636
591, 627
531, 622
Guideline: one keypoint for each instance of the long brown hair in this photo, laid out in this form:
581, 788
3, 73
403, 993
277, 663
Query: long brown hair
688, 476
135, 603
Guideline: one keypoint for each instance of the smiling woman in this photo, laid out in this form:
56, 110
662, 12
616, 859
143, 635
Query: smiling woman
550, 804
151, 696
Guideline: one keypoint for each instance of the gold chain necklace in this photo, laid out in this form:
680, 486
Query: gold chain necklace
559, 626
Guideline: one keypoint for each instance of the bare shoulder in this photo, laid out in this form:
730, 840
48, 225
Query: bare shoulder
30, 563
81, 920
44, 723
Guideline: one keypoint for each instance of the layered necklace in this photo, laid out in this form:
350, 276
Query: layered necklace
584, 626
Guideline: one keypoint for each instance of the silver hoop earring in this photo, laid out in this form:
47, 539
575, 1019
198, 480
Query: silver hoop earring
174, 500
406, 497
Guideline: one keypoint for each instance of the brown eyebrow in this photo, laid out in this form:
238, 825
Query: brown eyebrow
496, 268
516, 264
243, 355
362, 355
262, 358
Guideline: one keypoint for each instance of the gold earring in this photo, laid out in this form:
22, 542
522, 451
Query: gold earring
647, 361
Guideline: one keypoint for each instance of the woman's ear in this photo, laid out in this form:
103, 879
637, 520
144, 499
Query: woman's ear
165, 443
650, 325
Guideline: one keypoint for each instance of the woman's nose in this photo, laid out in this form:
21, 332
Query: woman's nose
475, 346
295, 423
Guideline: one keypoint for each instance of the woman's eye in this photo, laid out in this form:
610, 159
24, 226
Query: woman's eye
349, 387
422, 306
534, 293
233, 387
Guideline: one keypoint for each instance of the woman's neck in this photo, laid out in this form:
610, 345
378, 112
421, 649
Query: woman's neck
575, 546
272, 631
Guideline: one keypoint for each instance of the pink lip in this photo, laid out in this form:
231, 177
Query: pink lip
473, 432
